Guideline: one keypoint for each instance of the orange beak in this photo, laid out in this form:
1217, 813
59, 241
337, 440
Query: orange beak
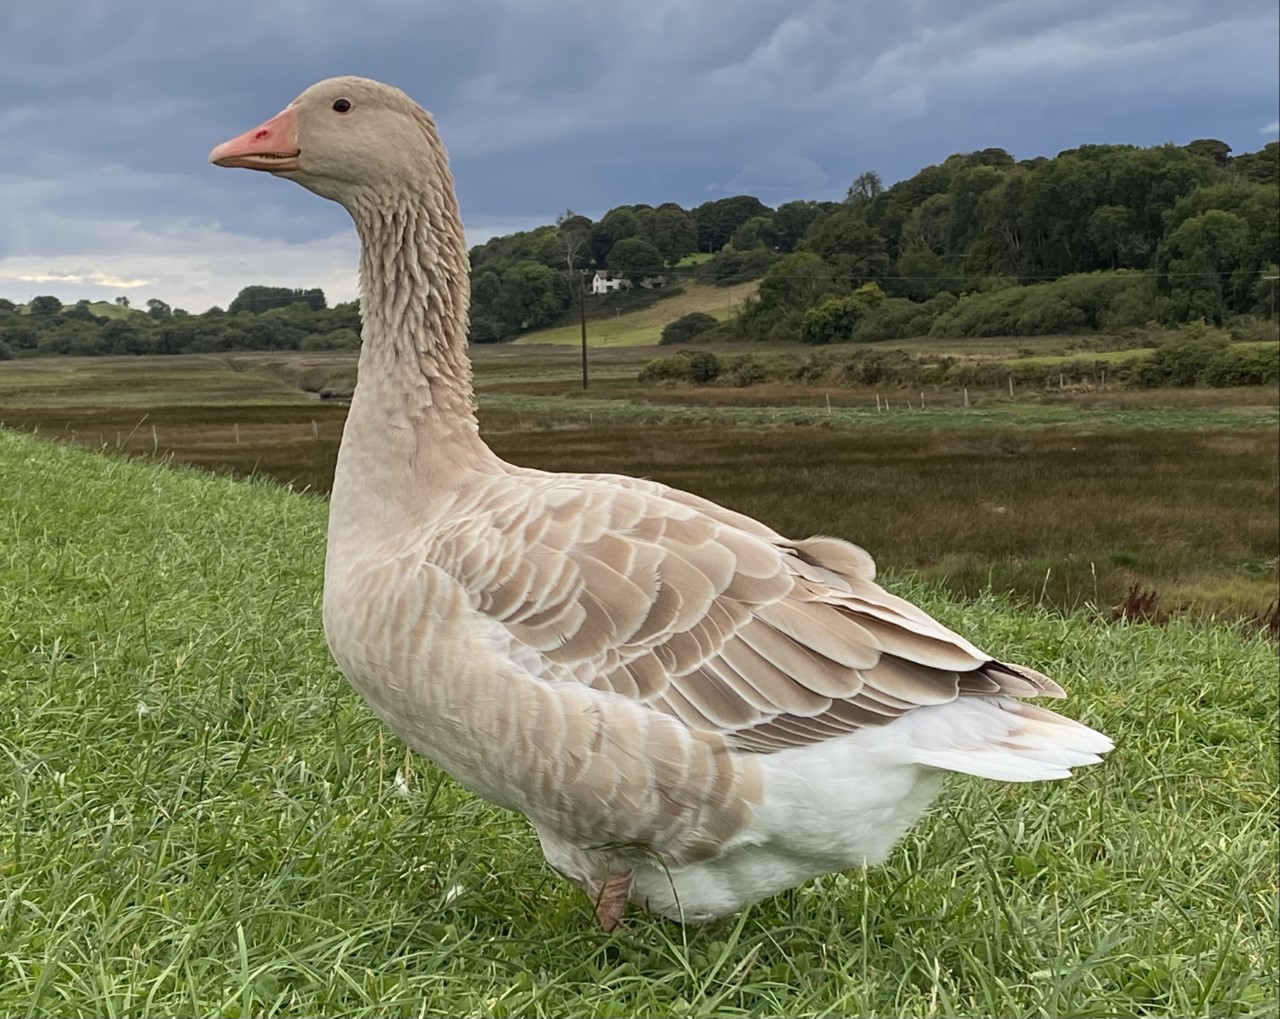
270, 146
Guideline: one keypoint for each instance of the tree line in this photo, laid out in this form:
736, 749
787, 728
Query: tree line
1097, 238
260, 318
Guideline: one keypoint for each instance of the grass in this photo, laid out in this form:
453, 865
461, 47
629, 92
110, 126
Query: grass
199, 817
643, 327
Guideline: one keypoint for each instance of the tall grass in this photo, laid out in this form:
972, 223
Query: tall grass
199, 817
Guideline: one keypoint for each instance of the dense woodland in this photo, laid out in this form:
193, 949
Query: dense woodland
1101, 238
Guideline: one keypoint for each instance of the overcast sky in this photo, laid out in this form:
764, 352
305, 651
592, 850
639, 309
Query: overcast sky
111, 107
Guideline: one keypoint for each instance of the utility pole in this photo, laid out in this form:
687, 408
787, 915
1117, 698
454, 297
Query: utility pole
1273, 293
582, 307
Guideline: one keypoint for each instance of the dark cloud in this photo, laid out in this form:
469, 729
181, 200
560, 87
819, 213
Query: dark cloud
112, 106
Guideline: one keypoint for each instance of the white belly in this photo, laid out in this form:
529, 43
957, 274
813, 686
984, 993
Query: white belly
825, 809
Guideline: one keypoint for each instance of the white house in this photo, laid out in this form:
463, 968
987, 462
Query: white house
606, 281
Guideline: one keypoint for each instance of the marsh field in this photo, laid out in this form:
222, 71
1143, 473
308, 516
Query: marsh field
1153, 501
198, 816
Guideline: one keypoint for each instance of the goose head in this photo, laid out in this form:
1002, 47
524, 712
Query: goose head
346, 139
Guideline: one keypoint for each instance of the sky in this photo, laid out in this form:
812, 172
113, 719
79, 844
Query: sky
111, 107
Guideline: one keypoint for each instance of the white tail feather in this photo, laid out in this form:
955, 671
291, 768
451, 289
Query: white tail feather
1000, 738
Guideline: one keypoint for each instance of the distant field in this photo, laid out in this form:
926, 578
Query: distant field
104, 309
644, 327
136, 381
1065, 499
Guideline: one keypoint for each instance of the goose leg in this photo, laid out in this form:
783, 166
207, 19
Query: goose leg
611, 900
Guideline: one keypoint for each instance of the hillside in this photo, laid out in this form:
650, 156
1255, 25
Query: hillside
103, 309
199, 816
644, 327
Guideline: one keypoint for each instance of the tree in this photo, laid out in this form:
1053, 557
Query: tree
671, 230
122, 301
866, 187
849, 245
127, 336
716, 221
1197, 258
1211, 149
834, 319
7, 305
923, 273
927, 227
796, 281
1262, 167
572, 231
257, 299
1109, 230
970, 215
45, 305
791, 221
757, 232
156, 308
989, 157
529, 297
616, 225
635, 257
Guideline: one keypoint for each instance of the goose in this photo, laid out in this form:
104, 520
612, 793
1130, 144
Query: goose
692, 711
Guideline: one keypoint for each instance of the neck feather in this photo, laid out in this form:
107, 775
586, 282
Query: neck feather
411, 429
415, 288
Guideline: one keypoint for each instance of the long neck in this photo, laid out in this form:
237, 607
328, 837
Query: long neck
411, 431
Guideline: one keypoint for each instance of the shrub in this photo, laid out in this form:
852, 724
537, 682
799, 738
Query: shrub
1083, 302
703, 367
688, 328
1242, 366
834, 320
700, 368
727, 331
881, 367
1182, 361
894, 318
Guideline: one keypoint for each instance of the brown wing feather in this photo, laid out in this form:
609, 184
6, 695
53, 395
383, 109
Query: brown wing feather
704, 614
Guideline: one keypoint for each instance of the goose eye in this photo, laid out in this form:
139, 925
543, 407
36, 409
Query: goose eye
341, 105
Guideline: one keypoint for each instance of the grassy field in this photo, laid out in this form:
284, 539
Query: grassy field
643, 328
1063, 499
105, 309
199, 817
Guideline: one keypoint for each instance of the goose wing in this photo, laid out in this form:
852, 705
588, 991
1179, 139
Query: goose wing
703, 613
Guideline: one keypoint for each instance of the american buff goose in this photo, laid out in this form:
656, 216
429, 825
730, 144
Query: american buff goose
693, 711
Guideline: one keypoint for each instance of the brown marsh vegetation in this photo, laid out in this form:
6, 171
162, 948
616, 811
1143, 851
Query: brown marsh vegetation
1068, 500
